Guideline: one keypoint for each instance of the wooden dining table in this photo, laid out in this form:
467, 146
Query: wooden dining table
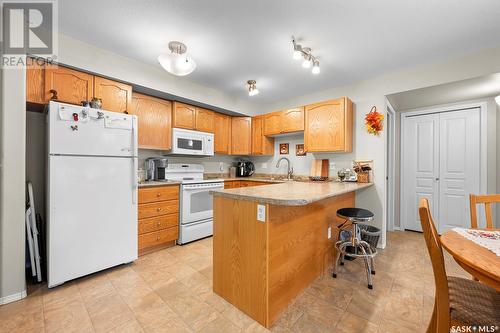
478, 261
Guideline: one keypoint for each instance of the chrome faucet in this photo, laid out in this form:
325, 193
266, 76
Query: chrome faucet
289, 167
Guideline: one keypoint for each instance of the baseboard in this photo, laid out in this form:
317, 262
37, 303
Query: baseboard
13, 297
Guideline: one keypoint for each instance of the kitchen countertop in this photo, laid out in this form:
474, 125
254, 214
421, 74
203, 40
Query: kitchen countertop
291, 193
153, 183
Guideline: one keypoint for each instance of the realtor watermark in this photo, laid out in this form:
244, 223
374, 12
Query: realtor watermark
475, 329
29, 33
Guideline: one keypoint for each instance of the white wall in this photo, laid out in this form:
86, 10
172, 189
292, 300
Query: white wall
78, 54
211, 164
371, 92
301, 164
12, 184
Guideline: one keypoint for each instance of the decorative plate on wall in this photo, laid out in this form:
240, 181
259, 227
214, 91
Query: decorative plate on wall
284, 148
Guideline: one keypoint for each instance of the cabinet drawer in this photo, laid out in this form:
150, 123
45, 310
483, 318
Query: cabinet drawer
162, 193
158, 208
158, 223
156, 238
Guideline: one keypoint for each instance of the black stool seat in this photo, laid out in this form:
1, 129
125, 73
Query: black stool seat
355, 214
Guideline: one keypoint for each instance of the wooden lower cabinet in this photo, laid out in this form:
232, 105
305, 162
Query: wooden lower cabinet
158, 218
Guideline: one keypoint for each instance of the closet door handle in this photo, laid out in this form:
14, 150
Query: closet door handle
437, 179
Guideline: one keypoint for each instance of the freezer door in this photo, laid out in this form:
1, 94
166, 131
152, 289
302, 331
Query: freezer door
76, 130
92, 216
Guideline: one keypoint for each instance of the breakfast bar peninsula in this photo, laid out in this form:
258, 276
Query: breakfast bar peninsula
272, 241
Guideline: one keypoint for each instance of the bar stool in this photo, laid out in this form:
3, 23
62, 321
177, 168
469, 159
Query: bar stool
361, 249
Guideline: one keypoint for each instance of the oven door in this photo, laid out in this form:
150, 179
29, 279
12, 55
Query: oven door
197, 202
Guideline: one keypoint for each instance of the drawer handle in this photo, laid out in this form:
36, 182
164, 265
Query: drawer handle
158, 237
158, 194
159, 223
158, 209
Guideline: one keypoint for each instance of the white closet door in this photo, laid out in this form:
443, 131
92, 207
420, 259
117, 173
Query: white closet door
421, 167
459, 166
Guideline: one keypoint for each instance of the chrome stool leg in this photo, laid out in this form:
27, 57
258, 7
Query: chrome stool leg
367, 266
372, 256
340, 246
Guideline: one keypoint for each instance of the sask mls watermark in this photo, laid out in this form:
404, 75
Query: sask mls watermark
29, 28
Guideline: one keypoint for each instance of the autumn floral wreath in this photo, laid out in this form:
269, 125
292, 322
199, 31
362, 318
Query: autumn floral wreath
374, 121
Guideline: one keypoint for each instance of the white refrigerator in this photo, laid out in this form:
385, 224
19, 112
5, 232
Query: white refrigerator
92, 191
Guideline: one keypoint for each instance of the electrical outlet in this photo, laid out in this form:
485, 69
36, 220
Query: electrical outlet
332, 165
261, 213
329, 232
221, 166
263, 165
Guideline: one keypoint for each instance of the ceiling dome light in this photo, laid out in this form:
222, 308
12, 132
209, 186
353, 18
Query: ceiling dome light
315, 69
497, 99
177, 62
252, 88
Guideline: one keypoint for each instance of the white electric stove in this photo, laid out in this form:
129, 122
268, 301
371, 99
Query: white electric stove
196, 203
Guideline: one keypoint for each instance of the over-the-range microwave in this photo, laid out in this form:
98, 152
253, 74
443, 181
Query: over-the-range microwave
186, 142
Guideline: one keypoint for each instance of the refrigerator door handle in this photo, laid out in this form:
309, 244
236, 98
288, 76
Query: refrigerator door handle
135, 185
134, 166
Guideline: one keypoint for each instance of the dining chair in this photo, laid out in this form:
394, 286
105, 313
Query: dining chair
458, 301
487, 200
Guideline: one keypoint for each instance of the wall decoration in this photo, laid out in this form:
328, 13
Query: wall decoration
299, 150
374, 121
284, 148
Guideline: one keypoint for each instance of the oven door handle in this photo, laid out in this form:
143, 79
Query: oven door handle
191, 188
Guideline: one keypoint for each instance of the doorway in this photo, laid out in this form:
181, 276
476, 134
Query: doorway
390, 174
442, 160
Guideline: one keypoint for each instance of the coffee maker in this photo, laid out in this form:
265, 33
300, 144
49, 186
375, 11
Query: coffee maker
155, 168
244, 169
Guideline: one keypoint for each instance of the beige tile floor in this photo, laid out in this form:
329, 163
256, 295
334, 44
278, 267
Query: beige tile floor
170, 291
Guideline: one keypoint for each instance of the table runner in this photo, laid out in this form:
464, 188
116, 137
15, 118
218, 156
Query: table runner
488, 239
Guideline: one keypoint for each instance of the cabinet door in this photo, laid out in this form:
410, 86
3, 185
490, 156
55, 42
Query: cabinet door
116, 96
292, 120
35, 92
272, 123
261, 145
241, 133
67, 85
184, 116
328, 127
204, 120
154, 117
222, 133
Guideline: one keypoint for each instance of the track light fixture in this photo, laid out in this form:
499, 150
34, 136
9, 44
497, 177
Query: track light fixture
304, 53
252, 88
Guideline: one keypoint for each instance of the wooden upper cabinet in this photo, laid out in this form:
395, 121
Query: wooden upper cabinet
328, 126
292, 120
184, 116
272, 123
222, 133
67, 85
204, 120
35, 86
116, 96
154, 120
241, 135
261, 145
287, 121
